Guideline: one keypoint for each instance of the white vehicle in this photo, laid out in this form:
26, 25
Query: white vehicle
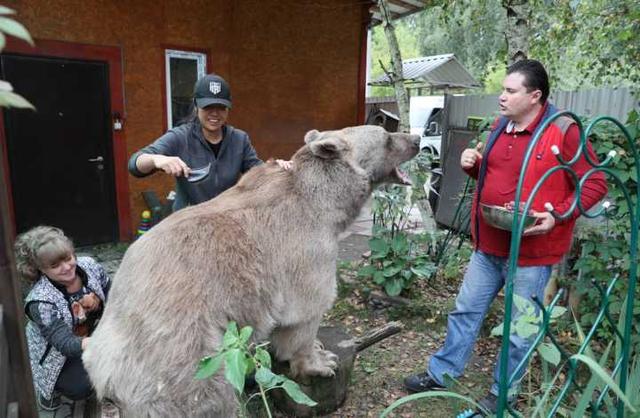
425, 119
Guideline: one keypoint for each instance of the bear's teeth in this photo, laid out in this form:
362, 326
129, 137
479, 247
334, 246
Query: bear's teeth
403, 177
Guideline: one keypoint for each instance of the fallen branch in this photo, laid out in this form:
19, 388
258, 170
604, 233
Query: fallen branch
391, 300
373, 336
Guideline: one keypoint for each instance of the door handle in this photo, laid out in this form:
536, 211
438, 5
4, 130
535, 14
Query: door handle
98, 159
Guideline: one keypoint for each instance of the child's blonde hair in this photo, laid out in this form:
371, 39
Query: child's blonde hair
40, 247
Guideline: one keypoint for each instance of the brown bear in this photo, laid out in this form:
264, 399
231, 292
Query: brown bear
261, 254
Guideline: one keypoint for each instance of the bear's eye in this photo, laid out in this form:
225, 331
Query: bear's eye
389, 142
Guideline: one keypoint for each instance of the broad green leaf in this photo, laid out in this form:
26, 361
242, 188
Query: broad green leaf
378, 245
393, 287
558, 311
378, 277
379, 255
521, 303
231, 335
6, 11
367, 271
267, 379
391, 271
13, 28
550, 353
245, 334
525, 329
295, 393
498, 330
400, 244
423, 271
209, 366
10, 99
263, 357
235, 363
251, 366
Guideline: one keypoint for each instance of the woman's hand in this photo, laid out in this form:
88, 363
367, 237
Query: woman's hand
84, 342
171, 165
90, 302
285, 165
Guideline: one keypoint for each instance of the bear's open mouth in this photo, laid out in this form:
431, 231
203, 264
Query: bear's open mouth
402, 177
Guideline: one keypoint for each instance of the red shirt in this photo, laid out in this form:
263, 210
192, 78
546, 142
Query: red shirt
501, 179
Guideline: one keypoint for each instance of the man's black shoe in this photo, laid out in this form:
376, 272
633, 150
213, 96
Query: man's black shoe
421, 382
489, 402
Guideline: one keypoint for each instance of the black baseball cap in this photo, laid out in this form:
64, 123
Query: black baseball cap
212, 89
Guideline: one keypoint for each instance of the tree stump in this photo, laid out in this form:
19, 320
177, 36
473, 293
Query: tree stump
329, 392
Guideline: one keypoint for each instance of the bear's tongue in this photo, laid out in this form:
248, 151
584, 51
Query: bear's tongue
403, 177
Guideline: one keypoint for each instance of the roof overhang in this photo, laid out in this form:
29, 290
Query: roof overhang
398, 9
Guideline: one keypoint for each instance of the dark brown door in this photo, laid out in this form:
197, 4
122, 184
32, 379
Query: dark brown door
61, 156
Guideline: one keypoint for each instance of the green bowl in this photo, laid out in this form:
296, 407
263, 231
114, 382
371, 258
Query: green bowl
501, 218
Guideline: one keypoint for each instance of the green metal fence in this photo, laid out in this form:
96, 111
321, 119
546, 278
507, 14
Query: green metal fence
618, 368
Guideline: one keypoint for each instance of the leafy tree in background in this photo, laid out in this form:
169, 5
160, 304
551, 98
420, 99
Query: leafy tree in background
472, 30
583, 43
588, 43
407, 41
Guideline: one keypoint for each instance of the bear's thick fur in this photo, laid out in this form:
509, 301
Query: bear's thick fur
262, 254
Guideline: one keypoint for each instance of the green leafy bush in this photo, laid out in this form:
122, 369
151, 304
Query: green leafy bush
396, 261
602, 250
528, 325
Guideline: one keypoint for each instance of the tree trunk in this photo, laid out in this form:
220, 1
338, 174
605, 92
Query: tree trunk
517, 29
329, 392
395, 75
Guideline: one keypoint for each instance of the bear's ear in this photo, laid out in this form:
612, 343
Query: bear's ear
328, 148
311, 136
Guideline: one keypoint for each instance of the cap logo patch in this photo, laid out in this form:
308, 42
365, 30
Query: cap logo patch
215, 87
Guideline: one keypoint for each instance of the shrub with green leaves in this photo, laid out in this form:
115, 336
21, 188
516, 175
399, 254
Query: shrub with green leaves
527, 325
241, 358
396, 261
602, 250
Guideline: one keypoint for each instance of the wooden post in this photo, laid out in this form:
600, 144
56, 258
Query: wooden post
20, 388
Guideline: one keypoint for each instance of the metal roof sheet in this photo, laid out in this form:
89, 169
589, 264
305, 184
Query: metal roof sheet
397, 9
436, 70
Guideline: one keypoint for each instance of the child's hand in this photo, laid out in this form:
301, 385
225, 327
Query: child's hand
90, 302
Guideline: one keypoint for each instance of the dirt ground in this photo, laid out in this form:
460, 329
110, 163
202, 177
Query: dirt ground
377, 376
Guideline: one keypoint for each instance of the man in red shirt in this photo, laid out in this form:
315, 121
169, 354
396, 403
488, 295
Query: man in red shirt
524, 109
